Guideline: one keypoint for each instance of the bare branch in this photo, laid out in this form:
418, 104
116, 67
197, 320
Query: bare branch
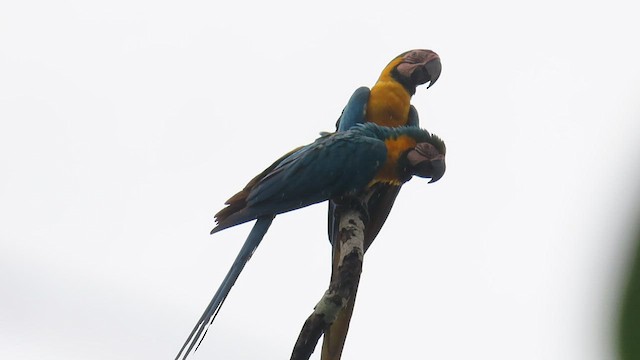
349, 251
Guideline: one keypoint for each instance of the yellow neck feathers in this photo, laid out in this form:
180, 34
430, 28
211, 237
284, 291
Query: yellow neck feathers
389, 101
389, 171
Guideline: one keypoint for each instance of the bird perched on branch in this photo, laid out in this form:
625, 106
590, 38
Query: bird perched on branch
338, 165
387, 103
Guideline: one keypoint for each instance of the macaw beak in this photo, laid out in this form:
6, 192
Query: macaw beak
433, 68
433, 169
426, 162
438, 169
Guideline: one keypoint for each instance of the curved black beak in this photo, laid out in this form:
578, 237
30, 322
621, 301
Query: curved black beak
438, 168
433, 169
433, 68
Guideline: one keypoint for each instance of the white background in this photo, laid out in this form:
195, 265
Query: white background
124, 125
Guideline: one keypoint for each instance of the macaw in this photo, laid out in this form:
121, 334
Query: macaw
336, 166
387, 103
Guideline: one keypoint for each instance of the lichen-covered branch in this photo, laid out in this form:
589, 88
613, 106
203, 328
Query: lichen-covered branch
349, 251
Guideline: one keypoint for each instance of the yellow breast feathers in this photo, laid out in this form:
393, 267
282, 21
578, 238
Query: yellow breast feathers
389, 101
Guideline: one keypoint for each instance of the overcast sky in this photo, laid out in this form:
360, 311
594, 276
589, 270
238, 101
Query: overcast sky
124, 125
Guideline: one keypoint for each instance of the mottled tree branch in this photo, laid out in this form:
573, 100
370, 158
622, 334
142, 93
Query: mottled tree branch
349, 251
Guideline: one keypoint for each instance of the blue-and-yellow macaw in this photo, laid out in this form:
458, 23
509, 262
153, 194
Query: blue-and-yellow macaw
387, 103
337, 165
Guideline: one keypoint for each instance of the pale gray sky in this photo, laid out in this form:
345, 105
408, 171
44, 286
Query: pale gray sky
124, 125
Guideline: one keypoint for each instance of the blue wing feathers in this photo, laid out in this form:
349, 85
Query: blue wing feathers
414, 120
323, 167
334, 165
355, 110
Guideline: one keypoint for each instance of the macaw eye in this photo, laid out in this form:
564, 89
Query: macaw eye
412, 57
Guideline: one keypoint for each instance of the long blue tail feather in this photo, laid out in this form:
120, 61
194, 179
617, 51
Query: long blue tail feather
200, 330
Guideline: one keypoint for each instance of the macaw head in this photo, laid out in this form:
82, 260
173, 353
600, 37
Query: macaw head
415, 67
426, 159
